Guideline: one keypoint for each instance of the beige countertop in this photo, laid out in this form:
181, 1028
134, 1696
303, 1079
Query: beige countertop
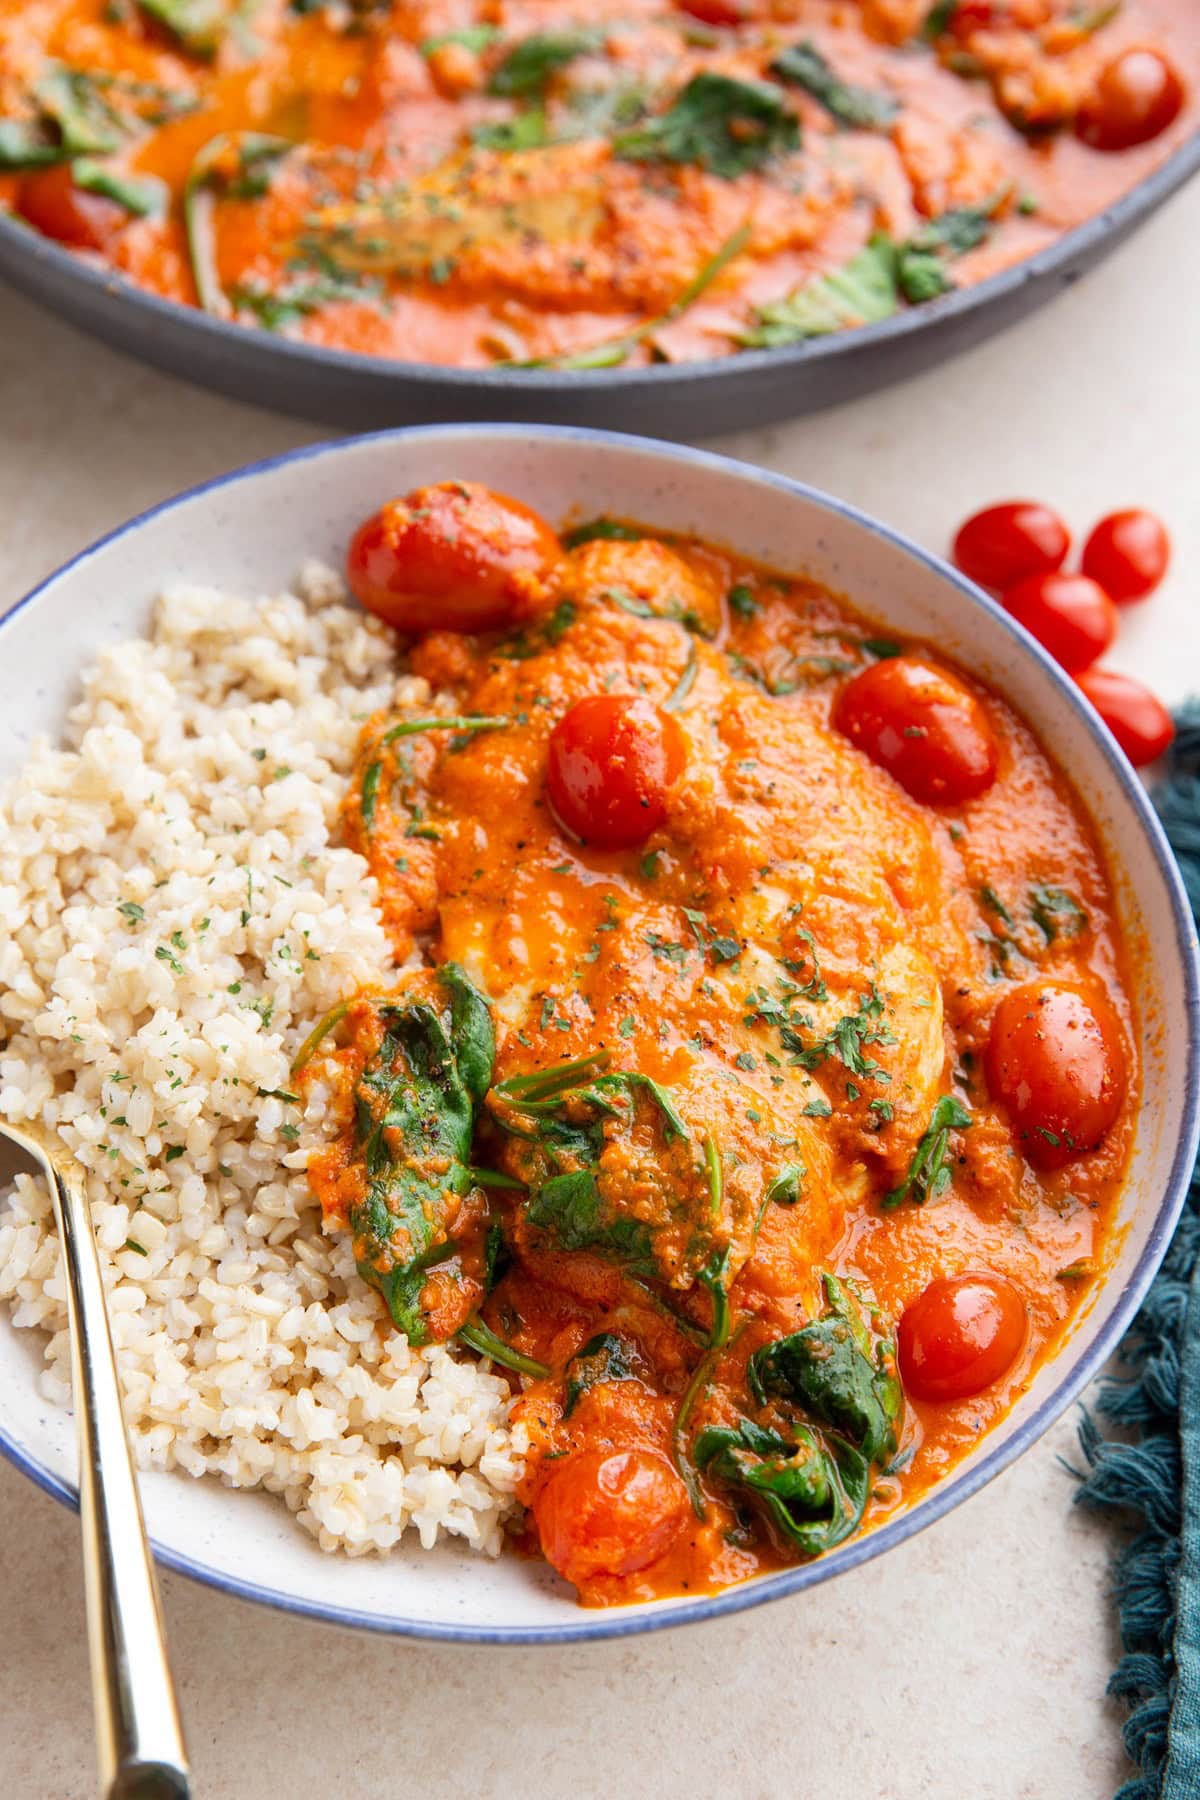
970, 1663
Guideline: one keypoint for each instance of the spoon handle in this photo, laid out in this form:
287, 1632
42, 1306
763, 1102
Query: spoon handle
140, 1742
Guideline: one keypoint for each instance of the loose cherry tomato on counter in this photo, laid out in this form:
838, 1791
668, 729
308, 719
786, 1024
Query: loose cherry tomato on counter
959, 1336
1127, 554
1137, 718
49, 200
1135, 97
1069, 615
609, 1512
455, 557
1003, 544
1056, 1057
612, 758
923, 726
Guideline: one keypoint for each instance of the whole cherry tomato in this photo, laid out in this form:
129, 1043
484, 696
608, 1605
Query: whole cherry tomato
454, 557
609, 1512
1003, 544
1127, 554
923, 726
959, 1336
49, 200
1069, 615
1135, 97
1056, 1057
612, 758
1137, 718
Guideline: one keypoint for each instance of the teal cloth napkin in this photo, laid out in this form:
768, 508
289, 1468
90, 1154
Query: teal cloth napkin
1151, 1475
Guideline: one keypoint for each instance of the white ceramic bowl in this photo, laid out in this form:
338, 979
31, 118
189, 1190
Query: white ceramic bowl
249, 531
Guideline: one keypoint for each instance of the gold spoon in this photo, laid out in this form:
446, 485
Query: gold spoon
138, 1734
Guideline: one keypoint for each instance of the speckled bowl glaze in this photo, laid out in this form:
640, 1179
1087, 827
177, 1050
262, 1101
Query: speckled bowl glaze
249, 531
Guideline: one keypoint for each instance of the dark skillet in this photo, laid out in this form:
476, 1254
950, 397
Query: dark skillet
684, 400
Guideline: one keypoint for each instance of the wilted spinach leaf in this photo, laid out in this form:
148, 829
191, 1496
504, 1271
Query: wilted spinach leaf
717, 123
928, 1175
414, 1106
858, 107
527, 68
569, 1211
812, 1486
604, 1357
862, 292
611, 1168
199, 25
823, 1369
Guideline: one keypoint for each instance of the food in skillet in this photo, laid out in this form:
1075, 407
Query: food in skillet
482, 182
765, 1093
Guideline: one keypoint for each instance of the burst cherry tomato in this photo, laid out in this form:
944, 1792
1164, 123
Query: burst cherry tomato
1003, 544
923, 726
612, 758
1069, 615
455, 557
609, 1512
1056, 1057
959, 1336
1128, 554
50, 201
1135, 97
1137, 718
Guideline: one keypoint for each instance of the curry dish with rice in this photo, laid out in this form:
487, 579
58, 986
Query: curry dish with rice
518, 183
765, 1096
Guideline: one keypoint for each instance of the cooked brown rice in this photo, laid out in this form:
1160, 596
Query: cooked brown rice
175, 914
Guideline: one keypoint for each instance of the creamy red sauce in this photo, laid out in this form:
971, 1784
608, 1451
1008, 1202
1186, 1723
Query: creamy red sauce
508, 181
808, 961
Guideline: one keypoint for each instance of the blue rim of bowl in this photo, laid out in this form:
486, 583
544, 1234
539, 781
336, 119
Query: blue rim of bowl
1062, 254
949, 1493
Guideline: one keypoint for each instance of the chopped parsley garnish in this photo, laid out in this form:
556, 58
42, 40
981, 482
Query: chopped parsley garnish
721, 949
847, 1038
667, 948
1057, 913
993, 902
